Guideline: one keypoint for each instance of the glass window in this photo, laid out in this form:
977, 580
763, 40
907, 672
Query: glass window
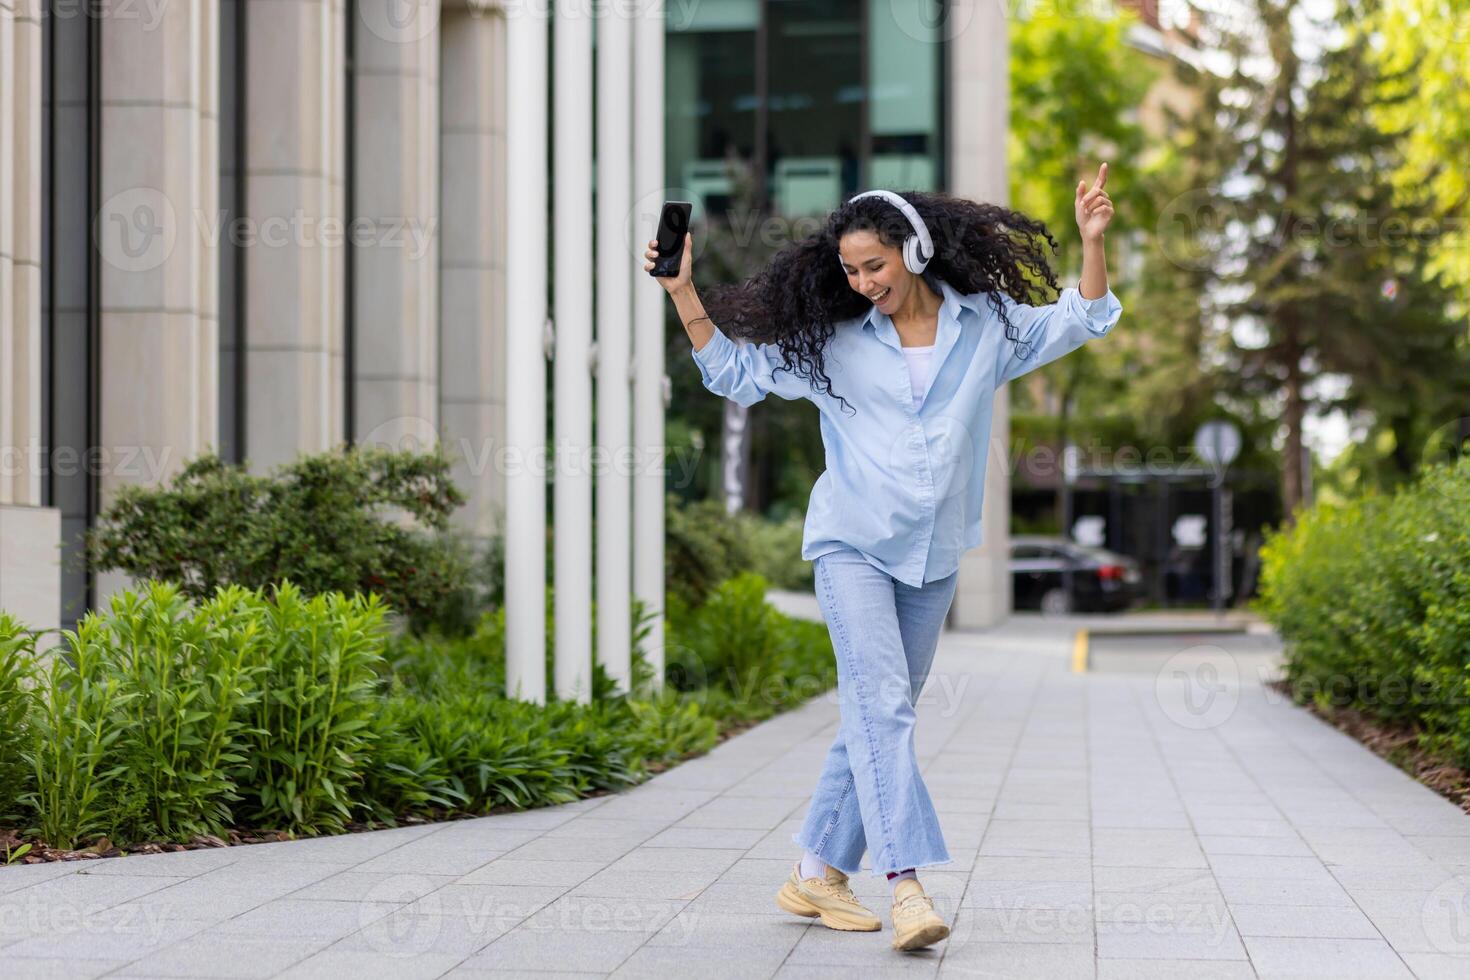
809, 100
710, 98
816, 104
904, 85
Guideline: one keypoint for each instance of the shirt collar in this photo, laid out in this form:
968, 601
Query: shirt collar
952, 303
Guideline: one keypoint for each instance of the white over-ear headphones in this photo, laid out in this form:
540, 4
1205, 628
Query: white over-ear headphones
917, 248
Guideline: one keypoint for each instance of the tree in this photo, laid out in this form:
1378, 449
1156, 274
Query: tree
1297, 229
1422, 51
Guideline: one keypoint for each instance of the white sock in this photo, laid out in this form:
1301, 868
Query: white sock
910, 873
812, 866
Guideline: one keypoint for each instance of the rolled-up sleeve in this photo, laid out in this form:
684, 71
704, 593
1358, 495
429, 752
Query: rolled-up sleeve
1049, 332
746, 373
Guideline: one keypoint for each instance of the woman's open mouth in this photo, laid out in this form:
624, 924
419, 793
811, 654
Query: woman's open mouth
881, 296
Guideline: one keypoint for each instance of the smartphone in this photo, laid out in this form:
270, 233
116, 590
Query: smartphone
673, 224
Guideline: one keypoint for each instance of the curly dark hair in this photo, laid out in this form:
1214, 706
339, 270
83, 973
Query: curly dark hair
798, 299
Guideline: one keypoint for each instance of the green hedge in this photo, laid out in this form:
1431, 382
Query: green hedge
741, 657
1372, 598
164, 717
705, 545
354, 519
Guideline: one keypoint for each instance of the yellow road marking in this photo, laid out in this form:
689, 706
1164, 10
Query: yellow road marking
1079, 653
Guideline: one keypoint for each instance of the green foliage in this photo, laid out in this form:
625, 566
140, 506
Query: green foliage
310, 731
17, 682
353, 519
703, 547
163, 718
186, 674
72, 732
1372, 597
1422, 51
1076, 85
741, 657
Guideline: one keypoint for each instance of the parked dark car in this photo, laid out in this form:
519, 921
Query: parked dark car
1102, 581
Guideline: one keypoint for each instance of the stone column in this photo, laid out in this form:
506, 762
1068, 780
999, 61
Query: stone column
30, 576
294, 168
472, 366
978, 109
154, 227
395, 280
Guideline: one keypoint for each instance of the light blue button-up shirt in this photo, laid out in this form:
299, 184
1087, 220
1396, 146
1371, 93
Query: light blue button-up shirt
904, 483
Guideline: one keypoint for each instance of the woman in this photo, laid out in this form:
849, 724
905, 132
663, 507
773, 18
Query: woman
898, 320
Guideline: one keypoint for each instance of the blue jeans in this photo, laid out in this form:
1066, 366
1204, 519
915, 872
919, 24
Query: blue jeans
870, 792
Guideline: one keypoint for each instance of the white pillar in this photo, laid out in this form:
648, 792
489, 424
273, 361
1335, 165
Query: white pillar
395, 280
294, 159
159, 265
649, 302
978, 109
525, 414
472, 366
617, 251
572, 315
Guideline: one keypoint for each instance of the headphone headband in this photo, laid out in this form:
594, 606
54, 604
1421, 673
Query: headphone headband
918, 248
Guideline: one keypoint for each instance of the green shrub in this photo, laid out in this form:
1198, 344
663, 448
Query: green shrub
186, 674
743, 657
350, 520
703, 547
1372, 598
17, 694
775, 548
309, 734
72, 731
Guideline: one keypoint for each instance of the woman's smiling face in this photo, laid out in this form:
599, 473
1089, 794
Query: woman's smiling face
876, 270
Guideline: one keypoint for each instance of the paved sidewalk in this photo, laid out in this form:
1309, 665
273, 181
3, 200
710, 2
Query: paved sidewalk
1177, 819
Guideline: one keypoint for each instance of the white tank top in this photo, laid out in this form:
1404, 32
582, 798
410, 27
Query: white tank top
918, 358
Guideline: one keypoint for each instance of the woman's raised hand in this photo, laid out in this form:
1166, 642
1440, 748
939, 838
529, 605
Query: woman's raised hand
686, 264
1094, 209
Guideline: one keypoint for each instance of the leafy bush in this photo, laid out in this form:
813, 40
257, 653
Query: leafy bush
17, 681
164, 718
309, 733
71, 735
184, 675
776, 550
1372, 598
742, 657
350, 520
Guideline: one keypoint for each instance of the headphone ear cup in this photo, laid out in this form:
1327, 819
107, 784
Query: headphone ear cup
920, 263
911, 254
